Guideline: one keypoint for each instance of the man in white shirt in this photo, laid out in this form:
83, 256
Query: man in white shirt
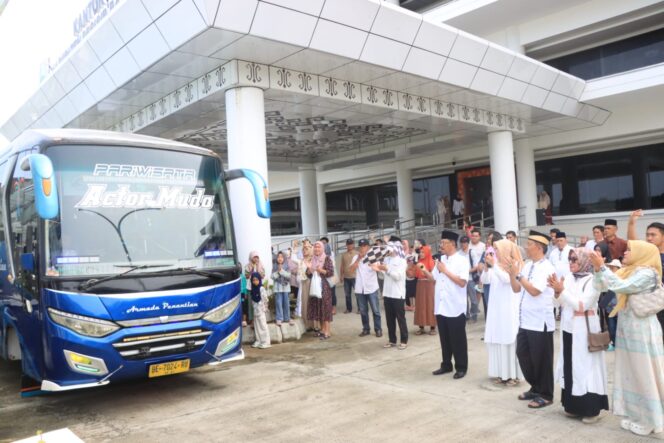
366, 290
451, 274
534, 341
476, 250
559, 256
598, 237
394, 292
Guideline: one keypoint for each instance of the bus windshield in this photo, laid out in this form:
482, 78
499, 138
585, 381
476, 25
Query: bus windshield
123, 207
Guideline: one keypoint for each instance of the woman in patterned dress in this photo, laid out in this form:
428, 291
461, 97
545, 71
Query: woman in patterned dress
320, 309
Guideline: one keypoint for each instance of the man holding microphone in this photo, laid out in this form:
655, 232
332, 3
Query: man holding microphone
451, 274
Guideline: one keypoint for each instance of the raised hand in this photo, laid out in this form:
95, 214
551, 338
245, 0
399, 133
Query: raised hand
597, 260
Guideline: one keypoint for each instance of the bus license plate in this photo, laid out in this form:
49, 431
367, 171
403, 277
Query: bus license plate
172, 367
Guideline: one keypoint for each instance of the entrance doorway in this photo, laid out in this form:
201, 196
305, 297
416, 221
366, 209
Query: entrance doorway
474, 185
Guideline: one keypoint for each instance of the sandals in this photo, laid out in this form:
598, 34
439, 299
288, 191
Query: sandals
539, 402
432, 332
639, 429
419, 331
390, 345
511, 383
402, 346
324, 337
528, 396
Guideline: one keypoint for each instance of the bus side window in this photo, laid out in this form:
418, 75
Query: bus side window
23, 227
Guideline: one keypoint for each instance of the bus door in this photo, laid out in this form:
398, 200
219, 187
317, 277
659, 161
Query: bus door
24, 296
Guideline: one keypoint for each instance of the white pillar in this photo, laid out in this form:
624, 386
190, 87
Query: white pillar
405, 191
308, 197
513, 40
503, 181
526, 181
322, 210
245, 123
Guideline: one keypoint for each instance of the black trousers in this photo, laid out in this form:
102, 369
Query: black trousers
453, 342
534, 349
395, 313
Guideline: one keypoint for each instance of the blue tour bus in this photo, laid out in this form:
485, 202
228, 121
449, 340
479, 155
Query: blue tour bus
117, 258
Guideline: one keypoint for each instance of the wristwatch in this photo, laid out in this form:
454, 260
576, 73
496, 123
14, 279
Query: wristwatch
518, 277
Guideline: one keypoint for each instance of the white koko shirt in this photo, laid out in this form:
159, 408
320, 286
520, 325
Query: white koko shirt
537, 311
450, 298
366, 280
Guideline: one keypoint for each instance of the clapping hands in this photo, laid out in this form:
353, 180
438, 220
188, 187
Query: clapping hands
556, 284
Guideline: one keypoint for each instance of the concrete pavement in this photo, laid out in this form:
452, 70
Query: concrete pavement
345, 389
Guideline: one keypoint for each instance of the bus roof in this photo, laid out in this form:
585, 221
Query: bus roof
66, 136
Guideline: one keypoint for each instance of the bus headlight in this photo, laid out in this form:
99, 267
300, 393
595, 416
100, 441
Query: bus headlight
222, 312
91, 327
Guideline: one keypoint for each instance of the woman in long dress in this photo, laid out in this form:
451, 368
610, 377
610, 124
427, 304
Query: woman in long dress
305, 285
502, 322
638, 388
424, 292
580, 373
320, 309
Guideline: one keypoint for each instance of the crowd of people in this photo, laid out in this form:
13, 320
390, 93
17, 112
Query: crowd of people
606, 292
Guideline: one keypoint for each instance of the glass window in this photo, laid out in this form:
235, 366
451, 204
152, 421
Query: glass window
608, 181
24, 222
631, 53
157, 208
655, 161
429, 195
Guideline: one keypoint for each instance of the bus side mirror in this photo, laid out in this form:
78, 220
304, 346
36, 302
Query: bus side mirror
263, 208
46, 193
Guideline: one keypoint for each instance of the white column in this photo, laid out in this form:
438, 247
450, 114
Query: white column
308, 200
526, 181
503, 181
405, 191
322, 210
245, 123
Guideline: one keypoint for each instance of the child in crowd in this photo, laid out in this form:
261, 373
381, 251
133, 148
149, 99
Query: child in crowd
281, 278
259, 301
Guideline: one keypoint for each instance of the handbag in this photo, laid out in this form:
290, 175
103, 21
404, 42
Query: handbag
316, 288
646, 304
597, 341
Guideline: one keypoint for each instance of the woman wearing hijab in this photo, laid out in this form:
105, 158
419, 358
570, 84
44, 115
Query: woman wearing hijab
258, 296
580, 373
320, 309
502, 321
638, 387
424, 292
305, 285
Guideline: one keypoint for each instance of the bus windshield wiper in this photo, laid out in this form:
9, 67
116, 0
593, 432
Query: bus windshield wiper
193, 270
95, 281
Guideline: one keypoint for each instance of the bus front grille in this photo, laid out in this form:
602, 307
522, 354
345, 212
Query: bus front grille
157, 345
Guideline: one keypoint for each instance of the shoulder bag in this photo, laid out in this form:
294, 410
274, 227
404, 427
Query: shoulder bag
597, 341
650, 303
